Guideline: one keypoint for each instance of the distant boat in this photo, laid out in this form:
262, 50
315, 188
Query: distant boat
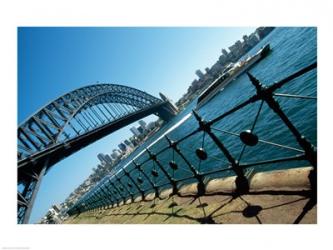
230, 73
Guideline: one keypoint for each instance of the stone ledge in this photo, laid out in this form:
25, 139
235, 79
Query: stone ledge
219, 205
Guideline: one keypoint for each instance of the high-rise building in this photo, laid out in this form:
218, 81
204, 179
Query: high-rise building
140, 129
263, 31
108, 159
122, 147
115, 154
199, 73
128, 143
101, 157
143, 124
52, 216
238, 45
133, 141
222, 59
151, 125
253, 39
135, 131
224, 52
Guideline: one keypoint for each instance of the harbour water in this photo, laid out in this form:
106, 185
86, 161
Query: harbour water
292, 49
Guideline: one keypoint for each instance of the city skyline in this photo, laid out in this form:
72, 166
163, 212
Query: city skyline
24, 88
108, 160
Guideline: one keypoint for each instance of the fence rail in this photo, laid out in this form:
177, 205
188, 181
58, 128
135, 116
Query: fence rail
148, 174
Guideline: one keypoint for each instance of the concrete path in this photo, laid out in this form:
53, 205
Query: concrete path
282, 197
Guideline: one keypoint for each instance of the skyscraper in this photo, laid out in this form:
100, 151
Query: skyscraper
101, 157
128, 143
108, 158
122, 147
135, 131
140, 129
143, 124
224, 52
199, 73
115, 154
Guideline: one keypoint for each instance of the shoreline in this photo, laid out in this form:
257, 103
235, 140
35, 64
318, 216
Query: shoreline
291, 187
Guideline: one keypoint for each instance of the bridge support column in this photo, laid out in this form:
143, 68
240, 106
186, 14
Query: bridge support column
30, 201
168, 110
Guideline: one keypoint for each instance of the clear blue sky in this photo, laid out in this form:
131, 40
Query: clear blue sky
53, 61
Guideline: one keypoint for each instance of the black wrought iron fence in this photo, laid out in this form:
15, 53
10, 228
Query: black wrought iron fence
149, 174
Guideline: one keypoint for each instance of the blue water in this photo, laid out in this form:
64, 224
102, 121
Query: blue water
292, 49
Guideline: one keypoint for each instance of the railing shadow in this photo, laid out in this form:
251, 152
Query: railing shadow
175, 207
128, 183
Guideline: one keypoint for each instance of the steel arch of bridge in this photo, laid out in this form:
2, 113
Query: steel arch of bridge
72, 122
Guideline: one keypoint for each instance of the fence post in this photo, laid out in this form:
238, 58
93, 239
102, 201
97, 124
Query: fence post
139, 168
137, 186
266, 94
153, 157
242, 184
200, 186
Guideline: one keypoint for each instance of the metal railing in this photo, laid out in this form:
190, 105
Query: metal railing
149, 174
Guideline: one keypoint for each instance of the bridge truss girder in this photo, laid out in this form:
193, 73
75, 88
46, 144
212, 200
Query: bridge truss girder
72, 122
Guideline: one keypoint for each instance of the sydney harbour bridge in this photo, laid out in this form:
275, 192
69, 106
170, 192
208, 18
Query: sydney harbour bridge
72, 122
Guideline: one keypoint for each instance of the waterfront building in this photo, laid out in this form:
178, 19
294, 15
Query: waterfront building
151, 126
223, 59
225, 53
52, 216
143, 124
115, 154
135, 131
101, 157
263, 31
199, 73
238, 45
141, 130
128, 143
253, 40
108, 159
134, 141
122, 147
